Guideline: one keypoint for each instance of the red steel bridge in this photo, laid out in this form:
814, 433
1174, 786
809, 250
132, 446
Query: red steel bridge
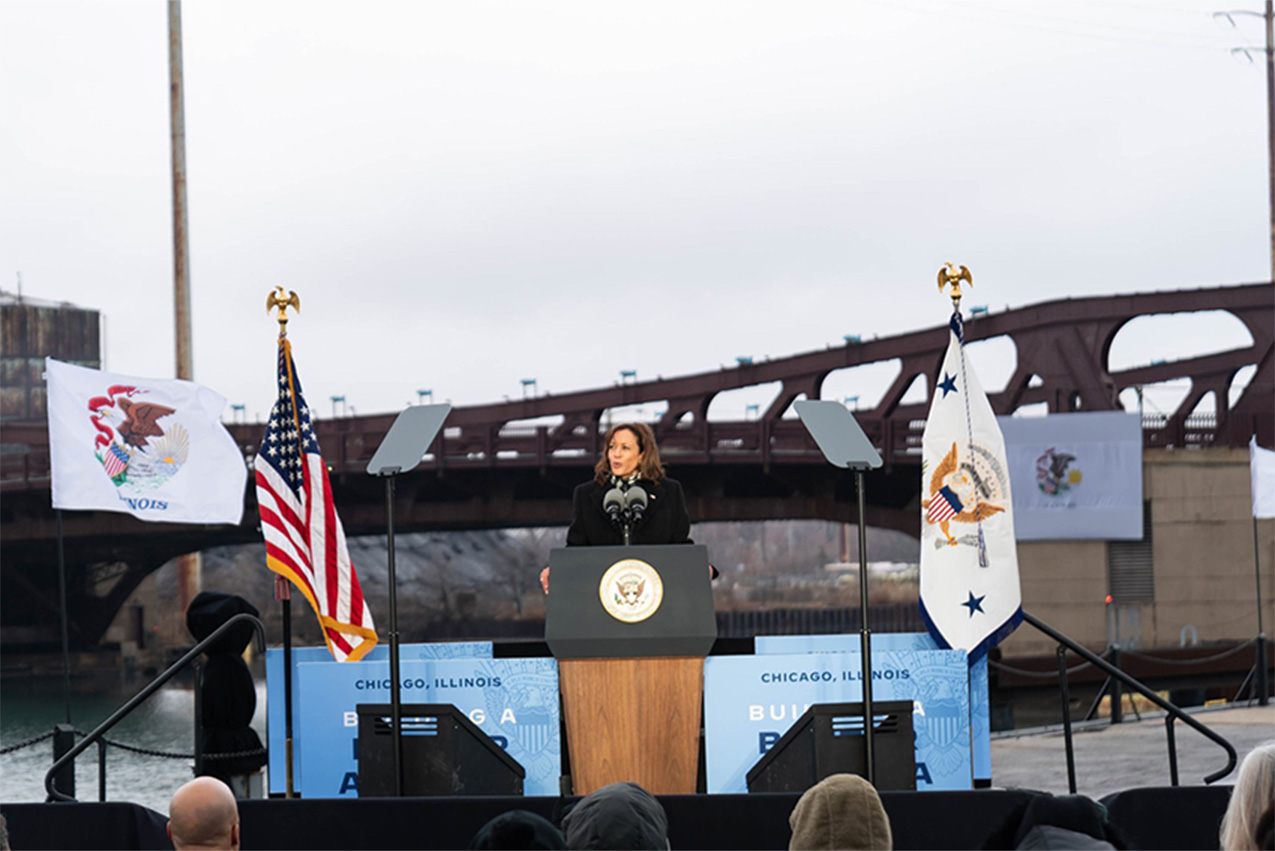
487, 469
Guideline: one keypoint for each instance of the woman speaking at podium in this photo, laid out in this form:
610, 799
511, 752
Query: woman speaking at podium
631, 460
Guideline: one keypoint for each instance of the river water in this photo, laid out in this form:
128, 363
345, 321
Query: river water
165, 722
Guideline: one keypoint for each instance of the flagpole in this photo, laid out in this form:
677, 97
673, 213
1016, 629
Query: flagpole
283, 593
66, 642
282, 590
1263, 686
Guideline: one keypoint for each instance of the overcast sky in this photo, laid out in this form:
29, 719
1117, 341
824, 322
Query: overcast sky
469, 194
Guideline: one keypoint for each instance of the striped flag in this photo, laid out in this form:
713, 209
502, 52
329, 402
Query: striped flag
304, 539
970, 597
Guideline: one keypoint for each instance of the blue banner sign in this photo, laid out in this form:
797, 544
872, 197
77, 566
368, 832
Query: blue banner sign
980, 702
750, 701
275, 700
514, 701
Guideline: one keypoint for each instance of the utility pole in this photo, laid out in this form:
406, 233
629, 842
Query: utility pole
189, 567
1270, 119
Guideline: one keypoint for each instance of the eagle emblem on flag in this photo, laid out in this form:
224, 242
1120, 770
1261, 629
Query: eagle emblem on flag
962, 493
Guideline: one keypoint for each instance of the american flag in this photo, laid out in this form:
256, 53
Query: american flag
304, 539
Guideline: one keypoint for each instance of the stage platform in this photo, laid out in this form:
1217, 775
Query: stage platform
1165, 818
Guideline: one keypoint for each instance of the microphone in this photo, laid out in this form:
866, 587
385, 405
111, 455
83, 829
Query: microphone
613, 503
635, 502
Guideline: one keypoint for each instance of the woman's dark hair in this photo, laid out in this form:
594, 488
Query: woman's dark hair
649, 468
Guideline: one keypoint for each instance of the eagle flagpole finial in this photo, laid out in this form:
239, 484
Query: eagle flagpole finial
277, 299
949, 274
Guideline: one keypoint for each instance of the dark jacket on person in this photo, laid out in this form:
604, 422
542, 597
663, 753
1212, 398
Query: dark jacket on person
665, 520
621, 815
1062, 821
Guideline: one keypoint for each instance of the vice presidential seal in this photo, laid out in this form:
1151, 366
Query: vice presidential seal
631, 590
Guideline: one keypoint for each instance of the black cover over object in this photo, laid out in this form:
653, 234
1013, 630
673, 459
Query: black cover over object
229, 697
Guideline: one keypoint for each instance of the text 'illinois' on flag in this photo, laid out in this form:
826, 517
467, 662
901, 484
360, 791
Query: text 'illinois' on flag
304, 539
970, 597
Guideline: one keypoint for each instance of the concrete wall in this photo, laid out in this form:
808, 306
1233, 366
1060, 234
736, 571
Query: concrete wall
1202, 551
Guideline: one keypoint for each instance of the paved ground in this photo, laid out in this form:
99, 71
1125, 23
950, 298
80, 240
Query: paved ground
1111, 758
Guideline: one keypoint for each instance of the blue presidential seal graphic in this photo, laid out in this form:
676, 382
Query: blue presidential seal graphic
524, 707
631, 590
943, 725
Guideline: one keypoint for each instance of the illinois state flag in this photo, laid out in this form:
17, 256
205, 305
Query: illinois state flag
305, 541
153, 448
970, 597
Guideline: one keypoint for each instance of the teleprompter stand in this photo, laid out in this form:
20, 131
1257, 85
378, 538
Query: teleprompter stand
632, 692
845, 445
401, 450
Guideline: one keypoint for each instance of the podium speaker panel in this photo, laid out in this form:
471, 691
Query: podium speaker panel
444, 753
828, 739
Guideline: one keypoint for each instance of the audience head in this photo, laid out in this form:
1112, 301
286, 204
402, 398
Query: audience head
203, 814
622, 815
518, 829
842, 811
1254, 790
1265, 834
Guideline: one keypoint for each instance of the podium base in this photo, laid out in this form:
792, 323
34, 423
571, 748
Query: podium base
633, 720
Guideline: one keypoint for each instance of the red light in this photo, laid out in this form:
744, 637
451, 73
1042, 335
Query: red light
1108, 599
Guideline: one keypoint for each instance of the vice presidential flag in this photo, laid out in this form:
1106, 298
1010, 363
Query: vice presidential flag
970, 597
151, 447
304, 539
1261, 464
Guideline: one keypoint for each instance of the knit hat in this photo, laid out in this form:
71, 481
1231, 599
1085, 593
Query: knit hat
518, 829
621, 815
841, 811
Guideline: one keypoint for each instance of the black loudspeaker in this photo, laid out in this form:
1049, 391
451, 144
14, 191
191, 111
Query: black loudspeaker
828, 739
444, 753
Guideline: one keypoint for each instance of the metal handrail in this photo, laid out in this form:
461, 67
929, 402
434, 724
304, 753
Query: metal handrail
155, 685
1174, 713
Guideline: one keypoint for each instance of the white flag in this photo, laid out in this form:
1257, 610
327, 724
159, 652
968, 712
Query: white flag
153, 448
1261, 464
970, 596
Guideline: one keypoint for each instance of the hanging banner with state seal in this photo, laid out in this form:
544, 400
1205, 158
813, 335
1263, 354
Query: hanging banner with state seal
1075, 476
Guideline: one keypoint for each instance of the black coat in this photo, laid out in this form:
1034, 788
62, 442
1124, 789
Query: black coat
665, 520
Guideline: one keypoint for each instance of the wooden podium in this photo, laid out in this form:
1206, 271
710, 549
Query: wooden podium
630, 627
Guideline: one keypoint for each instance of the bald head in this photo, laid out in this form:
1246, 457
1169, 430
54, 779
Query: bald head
203, 814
